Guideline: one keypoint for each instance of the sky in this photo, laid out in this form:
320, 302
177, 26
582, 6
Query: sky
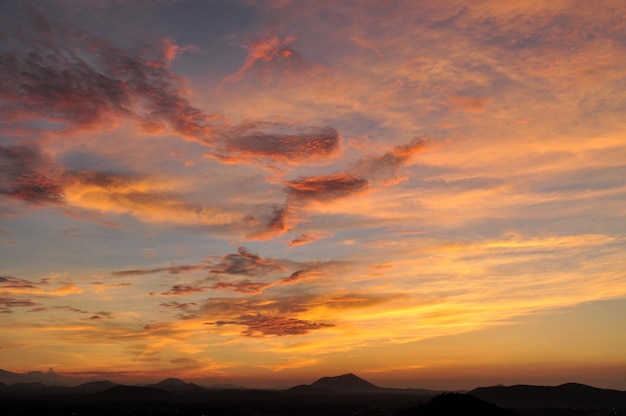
424, 193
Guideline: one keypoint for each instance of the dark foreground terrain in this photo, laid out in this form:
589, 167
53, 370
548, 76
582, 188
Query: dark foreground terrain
346, 395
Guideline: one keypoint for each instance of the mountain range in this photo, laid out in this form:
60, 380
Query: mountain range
570, 395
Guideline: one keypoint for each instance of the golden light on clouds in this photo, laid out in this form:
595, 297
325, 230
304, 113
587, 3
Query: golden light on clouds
240, 191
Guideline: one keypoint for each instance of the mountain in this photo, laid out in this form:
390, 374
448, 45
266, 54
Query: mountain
93, 387
570, 395
346, 383
9, 378
175, 385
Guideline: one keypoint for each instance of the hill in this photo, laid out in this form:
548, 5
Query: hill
93, 387
570, 395
346, 383
175, 385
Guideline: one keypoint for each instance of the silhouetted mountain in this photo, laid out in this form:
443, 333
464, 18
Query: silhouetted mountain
570, 395
456, 404
171, 382
133, 393
93, 387
175, 385
27, 388
9, 378
346, 383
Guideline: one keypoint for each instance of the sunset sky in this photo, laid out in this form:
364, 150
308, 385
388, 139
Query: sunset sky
424, 193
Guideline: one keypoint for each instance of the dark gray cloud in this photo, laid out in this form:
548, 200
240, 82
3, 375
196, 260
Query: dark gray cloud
276, 142
7, 303
245, 286
295, 277
64, 307
186, 289
171, 270
75, 79
9, 282
26, 175
185, 306
259, 325
326, 188
245, 263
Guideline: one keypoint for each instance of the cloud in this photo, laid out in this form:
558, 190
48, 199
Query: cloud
245, 263
249, 287
171, 270
99, 287
258, 325
7, 303
287, 314
26, 175
149, 199
58, 307
185, 289
326, 187
272, 59
276, 142
77, 80
307, 238
295, 277
245, 286
185, 306
385, 167
14, 285
9, 282
469, 103
355, 180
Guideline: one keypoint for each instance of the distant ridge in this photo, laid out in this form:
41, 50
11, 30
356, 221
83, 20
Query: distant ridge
93, 387
9, 378
346, 383
171, 381
570, 395
175, 385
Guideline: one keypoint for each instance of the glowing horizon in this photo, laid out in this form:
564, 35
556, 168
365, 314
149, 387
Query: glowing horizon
268, 192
